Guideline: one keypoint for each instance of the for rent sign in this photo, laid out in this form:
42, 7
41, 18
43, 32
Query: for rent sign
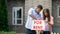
38, 25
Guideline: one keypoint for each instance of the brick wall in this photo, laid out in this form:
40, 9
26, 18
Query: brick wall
10, 5
34, 3
55, 4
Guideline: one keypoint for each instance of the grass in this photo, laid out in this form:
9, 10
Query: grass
2, 32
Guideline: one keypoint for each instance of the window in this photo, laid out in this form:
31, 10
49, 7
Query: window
58, 11
17, 16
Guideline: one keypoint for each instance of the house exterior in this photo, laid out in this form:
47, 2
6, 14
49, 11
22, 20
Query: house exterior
17, 13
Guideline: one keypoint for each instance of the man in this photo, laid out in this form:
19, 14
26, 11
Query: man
33, 14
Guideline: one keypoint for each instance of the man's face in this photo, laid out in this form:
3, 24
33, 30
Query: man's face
38, 10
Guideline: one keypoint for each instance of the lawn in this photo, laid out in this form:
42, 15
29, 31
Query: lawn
1, 32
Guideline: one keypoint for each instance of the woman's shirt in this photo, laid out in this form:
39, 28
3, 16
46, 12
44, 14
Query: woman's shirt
47, 24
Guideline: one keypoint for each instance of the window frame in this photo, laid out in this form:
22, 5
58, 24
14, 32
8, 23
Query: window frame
58, 11
16, 16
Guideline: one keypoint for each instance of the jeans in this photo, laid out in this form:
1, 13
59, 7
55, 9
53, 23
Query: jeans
28, 31
46, 32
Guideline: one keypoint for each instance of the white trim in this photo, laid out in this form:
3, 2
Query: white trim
12, 15
16, 16
58, 11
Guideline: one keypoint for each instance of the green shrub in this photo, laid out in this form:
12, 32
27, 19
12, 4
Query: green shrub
2, 32
3, 16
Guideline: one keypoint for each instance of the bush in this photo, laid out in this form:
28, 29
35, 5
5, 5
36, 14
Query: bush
3, 16
2, 32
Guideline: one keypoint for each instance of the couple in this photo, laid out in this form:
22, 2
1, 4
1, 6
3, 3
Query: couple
34, 14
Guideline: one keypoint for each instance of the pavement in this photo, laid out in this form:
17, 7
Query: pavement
20, 33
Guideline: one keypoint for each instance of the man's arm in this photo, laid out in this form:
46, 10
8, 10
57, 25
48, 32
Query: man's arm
34, 17
31, 14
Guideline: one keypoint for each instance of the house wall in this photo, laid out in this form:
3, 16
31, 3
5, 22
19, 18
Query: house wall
50, 4
55, 4
10, 5
34, 3
26, 5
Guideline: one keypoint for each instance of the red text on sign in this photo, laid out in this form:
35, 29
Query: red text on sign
37, 27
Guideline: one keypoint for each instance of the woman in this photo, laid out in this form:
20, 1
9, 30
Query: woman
48, 21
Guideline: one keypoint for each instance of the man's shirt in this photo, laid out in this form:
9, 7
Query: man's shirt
29, 18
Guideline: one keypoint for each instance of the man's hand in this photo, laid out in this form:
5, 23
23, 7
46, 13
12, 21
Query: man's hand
41, 18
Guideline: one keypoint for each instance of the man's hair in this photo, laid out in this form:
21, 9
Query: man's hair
40, 6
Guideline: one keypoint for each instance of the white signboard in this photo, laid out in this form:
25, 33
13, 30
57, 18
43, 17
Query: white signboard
38, 25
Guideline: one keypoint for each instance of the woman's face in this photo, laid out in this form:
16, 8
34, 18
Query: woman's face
45, 13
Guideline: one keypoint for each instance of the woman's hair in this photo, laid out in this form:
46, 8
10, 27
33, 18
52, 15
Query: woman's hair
48, 16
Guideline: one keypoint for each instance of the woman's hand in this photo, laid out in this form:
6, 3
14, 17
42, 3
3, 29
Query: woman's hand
46, 20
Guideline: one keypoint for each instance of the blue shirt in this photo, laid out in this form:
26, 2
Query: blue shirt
29, 18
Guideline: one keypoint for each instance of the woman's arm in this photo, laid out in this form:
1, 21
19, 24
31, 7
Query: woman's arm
51, 24
50, 28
